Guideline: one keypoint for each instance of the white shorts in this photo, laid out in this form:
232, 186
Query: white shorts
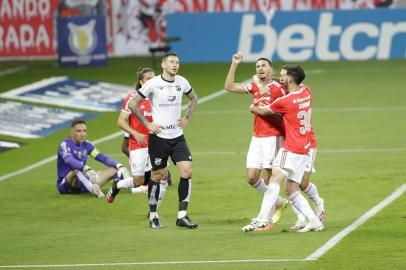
291, 164
139, 161
310, 165
263, 151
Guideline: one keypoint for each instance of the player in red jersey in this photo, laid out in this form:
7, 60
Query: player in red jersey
268, 131
137, 142
306, 186
291, 161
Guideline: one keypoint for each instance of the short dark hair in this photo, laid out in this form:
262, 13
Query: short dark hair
77, 121
169, 54
264, 59
296, 72
140, 76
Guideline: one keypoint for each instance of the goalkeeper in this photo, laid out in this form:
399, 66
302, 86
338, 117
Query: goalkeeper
74, 175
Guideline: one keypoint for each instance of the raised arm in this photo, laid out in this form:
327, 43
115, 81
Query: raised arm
183, 121
229, 84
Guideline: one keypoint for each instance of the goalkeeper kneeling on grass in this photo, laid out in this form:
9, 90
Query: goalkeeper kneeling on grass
74, 175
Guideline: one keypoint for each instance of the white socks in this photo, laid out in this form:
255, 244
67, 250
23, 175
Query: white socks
268, 202
125, 183
301, 204
260, 185
182, 214
312, 192
85, 181
162, 189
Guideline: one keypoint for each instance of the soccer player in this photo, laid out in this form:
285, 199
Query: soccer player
74, 175
268, 131
137, 143
290, 163
309, 188
166, 135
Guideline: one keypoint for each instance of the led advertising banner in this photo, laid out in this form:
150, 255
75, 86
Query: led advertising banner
291, 36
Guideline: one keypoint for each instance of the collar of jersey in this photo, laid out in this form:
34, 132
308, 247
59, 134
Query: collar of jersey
166, 80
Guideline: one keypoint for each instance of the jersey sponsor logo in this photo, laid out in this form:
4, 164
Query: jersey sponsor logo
171, 98
173, 126
169, 104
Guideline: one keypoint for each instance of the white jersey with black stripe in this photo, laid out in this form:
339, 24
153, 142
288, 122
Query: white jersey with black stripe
166, 102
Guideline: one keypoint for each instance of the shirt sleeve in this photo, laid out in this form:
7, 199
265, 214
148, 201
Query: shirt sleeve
124, 105
278, 106
68, 158
105, 160
145, 90
187, 88
248, 87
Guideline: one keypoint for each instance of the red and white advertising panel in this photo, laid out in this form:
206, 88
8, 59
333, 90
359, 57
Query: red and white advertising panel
27, 27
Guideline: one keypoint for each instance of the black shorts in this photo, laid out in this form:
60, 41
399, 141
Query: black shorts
161, 149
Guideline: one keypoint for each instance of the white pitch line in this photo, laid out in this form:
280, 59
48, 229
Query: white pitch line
151, 263
364, 218
12, 70
104, 139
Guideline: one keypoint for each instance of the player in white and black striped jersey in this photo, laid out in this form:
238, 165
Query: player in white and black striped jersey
166, 135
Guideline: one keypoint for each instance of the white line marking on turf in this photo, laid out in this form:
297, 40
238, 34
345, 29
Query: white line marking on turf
151, 263
364, 218
12, 70
107, 138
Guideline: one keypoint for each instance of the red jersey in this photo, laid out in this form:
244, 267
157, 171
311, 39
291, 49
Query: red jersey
296, 110
313, 143
145, 109
265, 126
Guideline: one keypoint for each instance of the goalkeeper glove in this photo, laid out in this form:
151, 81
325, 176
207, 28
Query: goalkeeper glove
90, 173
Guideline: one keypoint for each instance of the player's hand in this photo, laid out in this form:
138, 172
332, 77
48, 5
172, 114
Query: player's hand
122, 172
90, 173
182, 122
154, 128
237, 58
259, 110
140, 138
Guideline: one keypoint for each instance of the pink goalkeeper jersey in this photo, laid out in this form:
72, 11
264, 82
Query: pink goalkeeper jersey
296, 110
265, 126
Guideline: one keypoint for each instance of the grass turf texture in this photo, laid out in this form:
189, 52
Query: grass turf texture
38, 226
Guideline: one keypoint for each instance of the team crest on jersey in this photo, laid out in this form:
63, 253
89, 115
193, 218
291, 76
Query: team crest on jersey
171, 98
178, 88
158, 161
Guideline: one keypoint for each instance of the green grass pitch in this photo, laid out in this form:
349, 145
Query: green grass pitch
359, 112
